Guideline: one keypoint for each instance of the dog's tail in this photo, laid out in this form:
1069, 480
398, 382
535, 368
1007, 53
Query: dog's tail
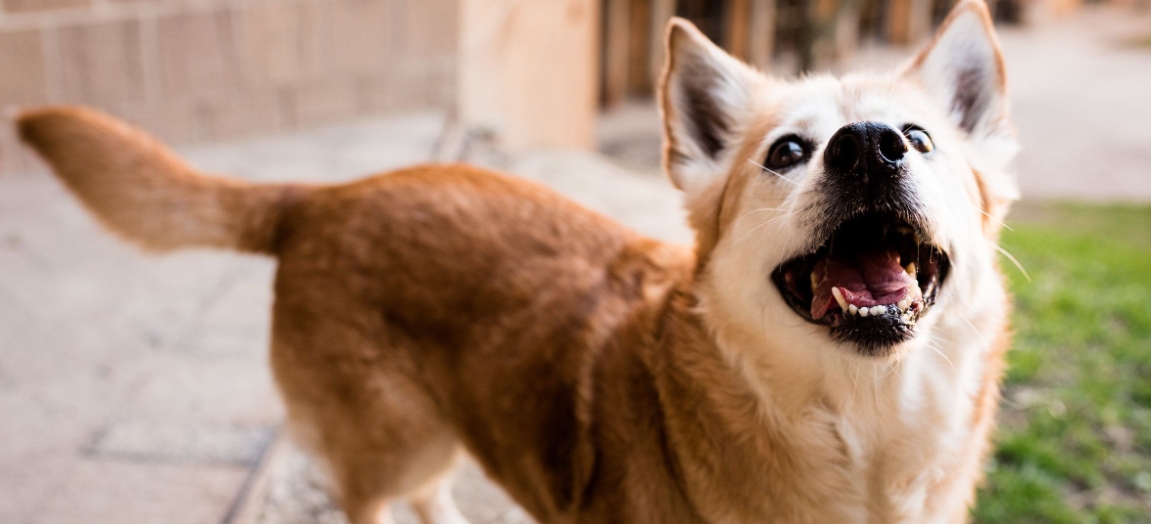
140, 189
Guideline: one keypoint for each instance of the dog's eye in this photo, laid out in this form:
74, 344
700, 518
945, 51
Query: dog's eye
786, 152
919, 139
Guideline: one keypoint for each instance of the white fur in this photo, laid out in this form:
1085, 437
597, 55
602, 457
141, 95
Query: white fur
903, 420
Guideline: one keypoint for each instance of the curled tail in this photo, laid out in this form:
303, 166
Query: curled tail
140, 189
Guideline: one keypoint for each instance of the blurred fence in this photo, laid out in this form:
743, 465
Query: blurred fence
781, 35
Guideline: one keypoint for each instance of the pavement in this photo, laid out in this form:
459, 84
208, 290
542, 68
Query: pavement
136, 388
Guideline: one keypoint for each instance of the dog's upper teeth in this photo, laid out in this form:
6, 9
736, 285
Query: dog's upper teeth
839, 298
814, 280
852, 309
910, 269
905, 303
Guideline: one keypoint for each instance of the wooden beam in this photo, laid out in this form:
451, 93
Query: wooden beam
529, 70
919, 20
737, 28
661, 12
761, 40
616, 55
639, 75
898, 20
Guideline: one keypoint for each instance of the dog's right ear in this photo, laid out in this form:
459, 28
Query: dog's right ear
704, 97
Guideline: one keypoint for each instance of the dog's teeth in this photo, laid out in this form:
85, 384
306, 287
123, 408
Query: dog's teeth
814, 280
904, 304
910, 269
839, 298
878, 310
852, 309
864, 311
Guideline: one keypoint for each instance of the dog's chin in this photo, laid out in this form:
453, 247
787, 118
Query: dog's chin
869, 283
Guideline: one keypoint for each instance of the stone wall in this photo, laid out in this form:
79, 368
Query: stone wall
193, 70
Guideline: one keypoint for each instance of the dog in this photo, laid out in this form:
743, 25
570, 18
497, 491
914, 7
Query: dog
828, 351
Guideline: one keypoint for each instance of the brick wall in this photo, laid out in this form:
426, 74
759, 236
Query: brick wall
191, 70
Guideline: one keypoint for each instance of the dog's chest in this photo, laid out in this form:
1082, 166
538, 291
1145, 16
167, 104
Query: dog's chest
888, 450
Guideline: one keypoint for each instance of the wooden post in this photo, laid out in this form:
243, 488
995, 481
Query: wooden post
919, 20
817, 37
529, 70
639, 76
617, 25
761, 41
847, 23
898, 21
661, 12
737, 28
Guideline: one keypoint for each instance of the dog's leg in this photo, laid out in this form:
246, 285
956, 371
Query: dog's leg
379, 512
355, 398
434, 504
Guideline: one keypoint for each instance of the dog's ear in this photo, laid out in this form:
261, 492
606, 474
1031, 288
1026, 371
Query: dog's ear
704, 96
962, 67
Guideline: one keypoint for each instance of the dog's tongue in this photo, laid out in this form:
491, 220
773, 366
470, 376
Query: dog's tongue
865, 278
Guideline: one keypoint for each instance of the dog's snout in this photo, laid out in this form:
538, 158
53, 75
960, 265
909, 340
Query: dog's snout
865, 152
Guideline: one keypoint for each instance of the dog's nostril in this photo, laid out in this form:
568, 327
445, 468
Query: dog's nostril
844, 152
891, 146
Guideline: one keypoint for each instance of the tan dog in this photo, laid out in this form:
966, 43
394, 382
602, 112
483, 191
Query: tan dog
828, 353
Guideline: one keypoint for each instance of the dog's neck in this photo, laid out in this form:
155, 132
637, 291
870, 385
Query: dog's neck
861, 425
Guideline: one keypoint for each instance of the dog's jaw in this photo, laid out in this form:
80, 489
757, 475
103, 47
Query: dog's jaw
918, 401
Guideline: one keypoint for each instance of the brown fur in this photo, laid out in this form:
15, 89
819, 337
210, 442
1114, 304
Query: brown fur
446, 308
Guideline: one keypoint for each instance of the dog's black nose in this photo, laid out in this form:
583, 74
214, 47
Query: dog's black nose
866, 152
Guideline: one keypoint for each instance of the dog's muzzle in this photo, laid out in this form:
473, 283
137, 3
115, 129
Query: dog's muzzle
872, 271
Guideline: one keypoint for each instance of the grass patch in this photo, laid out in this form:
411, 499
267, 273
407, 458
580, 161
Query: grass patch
1074, 444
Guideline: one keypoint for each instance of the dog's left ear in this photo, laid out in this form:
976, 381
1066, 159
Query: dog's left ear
705, 95
962, 67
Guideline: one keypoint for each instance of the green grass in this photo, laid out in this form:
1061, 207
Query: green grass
1074, 443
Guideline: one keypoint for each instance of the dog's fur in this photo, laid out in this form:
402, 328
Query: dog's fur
597, 375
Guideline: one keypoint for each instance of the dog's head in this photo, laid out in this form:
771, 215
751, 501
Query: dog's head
850, 212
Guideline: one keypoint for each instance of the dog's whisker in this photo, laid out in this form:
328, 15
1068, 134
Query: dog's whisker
974, 330
939, 350
875, 384
1000, 222
1012, 258
763, 167
745, 235
762, 209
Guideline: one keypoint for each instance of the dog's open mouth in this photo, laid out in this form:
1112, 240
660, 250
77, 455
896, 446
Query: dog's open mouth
871, 281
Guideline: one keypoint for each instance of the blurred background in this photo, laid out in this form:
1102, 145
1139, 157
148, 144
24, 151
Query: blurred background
136, 389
